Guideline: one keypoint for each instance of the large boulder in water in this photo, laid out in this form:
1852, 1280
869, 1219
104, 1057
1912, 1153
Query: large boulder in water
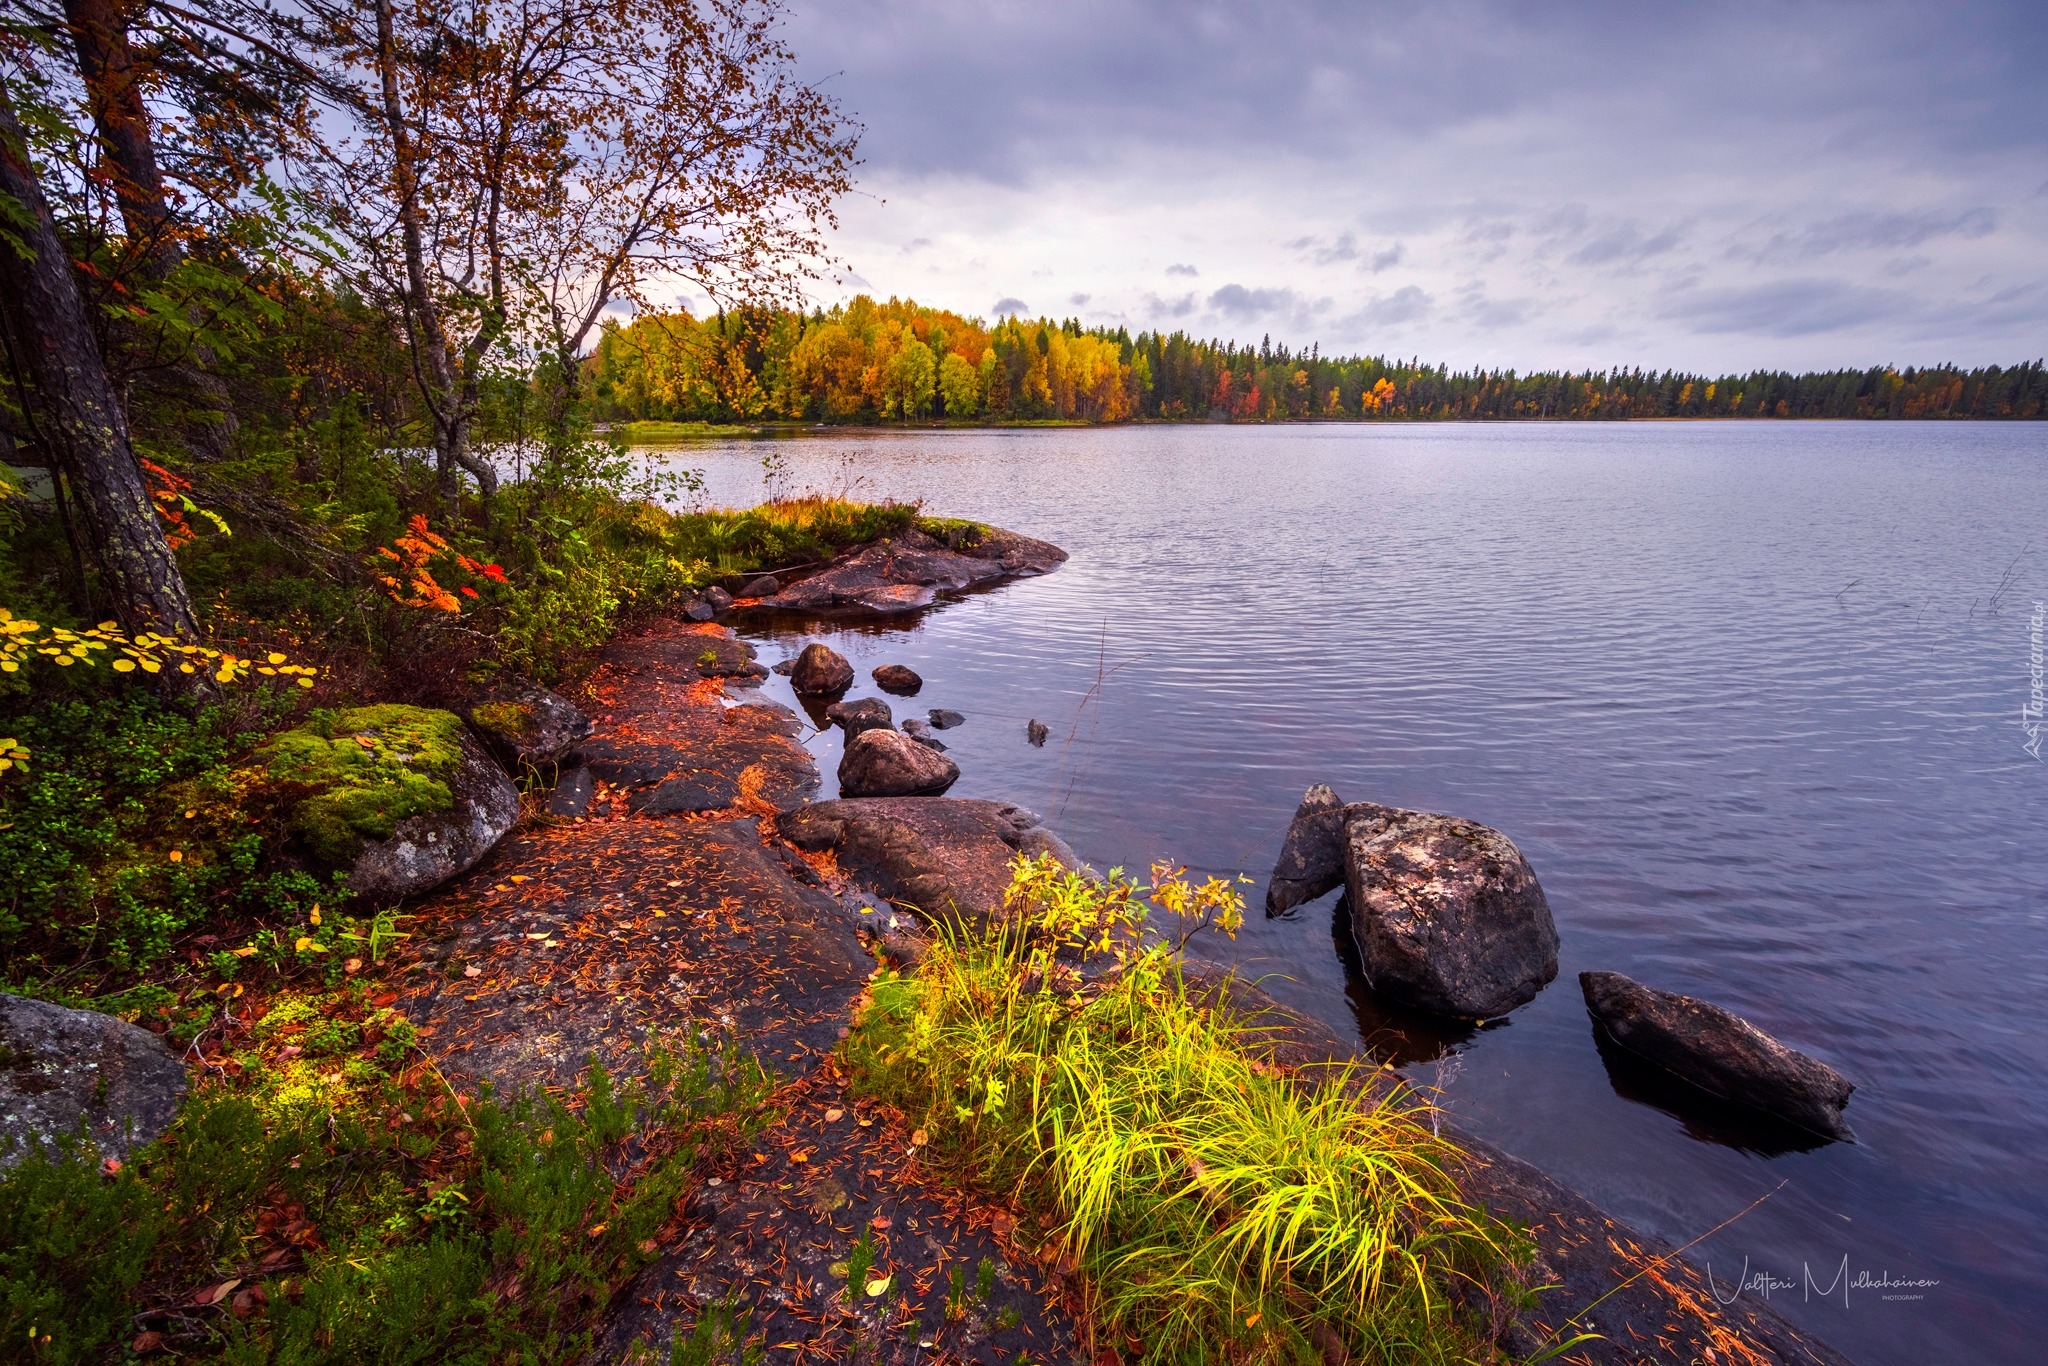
1719, 1052
1448, 916
820, 671
900, 679
64, 1072
888, 763
1312, 856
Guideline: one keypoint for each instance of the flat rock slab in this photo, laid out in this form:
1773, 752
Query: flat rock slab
660, 718
1719, 1052
67, 1072
1665, 1313
785, 1211
617, 928
908, 571
942, 857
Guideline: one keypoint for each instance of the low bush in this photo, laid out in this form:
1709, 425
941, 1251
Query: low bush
1216, 1206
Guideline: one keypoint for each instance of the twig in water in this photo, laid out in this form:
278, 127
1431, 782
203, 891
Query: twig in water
2005, 580
1845, 588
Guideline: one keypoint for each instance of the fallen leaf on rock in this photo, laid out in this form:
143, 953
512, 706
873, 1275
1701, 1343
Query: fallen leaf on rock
879, 1286
834, 1116
472, 971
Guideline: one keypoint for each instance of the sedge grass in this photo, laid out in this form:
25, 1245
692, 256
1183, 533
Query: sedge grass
1215, 1206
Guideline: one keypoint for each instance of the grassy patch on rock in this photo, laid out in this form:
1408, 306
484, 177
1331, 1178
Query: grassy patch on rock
1214, 1205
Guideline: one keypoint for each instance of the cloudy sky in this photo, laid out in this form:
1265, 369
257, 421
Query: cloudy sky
1712, 186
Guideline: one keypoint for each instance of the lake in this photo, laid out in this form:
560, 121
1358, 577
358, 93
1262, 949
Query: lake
1747, 695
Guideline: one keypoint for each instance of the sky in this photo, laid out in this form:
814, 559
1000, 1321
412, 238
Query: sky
1714, 187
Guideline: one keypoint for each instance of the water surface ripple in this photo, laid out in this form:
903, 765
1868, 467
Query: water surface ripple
1747, 695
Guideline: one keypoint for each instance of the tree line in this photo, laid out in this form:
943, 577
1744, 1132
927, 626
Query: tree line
869, 361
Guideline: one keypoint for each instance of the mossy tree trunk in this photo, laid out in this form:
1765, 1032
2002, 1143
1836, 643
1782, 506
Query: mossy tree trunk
78, 418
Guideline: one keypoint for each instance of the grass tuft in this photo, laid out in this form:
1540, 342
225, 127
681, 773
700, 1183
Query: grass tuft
1215, 1206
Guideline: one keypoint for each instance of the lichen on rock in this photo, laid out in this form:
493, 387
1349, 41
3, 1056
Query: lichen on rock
353, 775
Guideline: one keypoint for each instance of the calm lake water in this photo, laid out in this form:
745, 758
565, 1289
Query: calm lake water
1748, 696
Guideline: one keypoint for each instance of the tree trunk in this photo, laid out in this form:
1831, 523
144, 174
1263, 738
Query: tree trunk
113, 88
80, 421
433, 363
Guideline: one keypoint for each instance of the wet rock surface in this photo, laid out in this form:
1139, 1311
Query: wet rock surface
1720, 1053
888, 763
869, 713
66, 1073
900, 679
941, 857
427, 850
1448, 916
942, 719
572, 794
908, 571
1312, 856
820, 671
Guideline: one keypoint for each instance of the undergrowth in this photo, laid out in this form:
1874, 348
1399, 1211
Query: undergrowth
327, 1199
1215, 1206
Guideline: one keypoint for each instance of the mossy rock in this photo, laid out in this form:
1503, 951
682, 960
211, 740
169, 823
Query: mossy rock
353, 775
509, 719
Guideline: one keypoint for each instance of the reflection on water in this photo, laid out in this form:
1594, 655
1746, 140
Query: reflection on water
1736, 690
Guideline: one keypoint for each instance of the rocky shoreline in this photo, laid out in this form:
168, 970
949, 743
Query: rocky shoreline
685, 878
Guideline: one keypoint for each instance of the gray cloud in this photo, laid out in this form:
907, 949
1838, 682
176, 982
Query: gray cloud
1007, 306
1878, 231
1235, 301
1385, 260
1405, 305
1189, 271
1788, 308
1079, 300
1625, 245
1169, 309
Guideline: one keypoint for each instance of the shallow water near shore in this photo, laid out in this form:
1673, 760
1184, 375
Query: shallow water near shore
1747, 695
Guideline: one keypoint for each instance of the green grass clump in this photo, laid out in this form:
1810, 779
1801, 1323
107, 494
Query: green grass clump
392, 1223
353, 775
1217, 1207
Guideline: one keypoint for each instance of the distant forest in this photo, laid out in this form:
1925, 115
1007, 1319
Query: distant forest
866, 361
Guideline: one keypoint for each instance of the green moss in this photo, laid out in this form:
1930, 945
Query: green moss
511, 719
956, 532
354, 775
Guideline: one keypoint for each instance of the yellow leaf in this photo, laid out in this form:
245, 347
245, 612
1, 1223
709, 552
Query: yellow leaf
124, 666
244, 953
879, 1286
520, 877
276, 658
315, 916
305, 682
305, 942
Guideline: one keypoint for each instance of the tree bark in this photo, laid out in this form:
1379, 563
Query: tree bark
81, 422
113, 88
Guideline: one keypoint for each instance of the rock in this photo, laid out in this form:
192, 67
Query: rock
899, 679
820, 671
784, 667
767, 586
869, 713
1035, 732
887, 763
1720, 1053
921, 731
941, 857
908, 570
426, 850
1448, 916
572, 793
64, 1070
725, 656
717, 597
685, 795
526, 725
946, 720
1312, 856
700, 610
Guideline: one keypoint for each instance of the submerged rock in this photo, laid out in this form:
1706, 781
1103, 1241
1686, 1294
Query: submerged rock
943, 719
1719, 1052
1035, 732
1448, 915
869, 713
921, 731
908, 570
942, 857
820, 671
887, 763
64, 1071
899, 679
